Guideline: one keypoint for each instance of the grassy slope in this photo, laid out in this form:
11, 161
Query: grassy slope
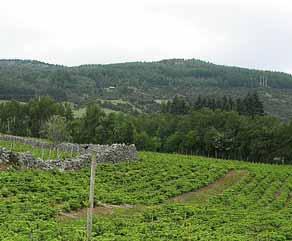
79, 113
257, 206
42, 153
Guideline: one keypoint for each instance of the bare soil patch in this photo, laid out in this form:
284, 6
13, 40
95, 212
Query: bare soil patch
3, 167
83, 212
100, 210
215, 188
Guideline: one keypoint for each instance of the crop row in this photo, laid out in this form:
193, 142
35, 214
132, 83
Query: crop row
258, 207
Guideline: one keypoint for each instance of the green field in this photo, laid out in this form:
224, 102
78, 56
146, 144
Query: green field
79, 113
42, 153
159, 197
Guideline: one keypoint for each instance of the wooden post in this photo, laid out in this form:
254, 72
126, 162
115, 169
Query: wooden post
43, 152
91, 196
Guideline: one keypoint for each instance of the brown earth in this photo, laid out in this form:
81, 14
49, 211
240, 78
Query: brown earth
3, 167
101, 210
215, 188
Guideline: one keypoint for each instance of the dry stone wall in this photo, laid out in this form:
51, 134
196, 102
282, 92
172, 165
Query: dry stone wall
104, 153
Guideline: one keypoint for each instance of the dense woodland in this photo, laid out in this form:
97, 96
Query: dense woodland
34, 78
143, 83
250, 105
230, 131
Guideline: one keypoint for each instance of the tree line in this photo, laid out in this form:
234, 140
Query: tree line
213, 132
250, 105
29, 119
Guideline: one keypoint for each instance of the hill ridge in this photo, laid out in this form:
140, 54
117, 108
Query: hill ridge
162, 61
143, 83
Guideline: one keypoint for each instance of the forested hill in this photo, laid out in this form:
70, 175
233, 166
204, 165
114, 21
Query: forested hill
144, 84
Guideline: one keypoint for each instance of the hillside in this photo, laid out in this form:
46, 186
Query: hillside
161, 197
144, 84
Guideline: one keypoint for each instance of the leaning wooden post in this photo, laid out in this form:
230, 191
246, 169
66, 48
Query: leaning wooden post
91, 195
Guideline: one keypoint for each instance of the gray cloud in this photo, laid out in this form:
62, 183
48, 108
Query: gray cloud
247, 33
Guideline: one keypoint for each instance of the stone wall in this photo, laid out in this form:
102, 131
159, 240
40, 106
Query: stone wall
104, 153
26, 160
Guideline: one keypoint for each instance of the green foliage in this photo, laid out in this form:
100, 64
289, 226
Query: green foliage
244, 134
178, 106
90, 124
31, 199
250, 105
258, 207
219, 134
56, 130
28, 119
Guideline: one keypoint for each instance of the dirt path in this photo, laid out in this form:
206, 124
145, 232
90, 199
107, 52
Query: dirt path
101, 209
215, 188
197, 196
3, 167
83, 212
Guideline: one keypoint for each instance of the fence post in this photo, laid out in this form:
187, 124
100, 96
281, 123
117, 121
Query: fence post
91, 195
43, 152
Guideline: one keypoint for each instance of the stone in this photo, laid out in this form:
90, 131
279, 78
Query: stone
104, 154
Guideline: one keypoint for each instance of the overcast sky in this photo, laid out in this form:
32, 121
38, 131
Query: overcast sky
248, 33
